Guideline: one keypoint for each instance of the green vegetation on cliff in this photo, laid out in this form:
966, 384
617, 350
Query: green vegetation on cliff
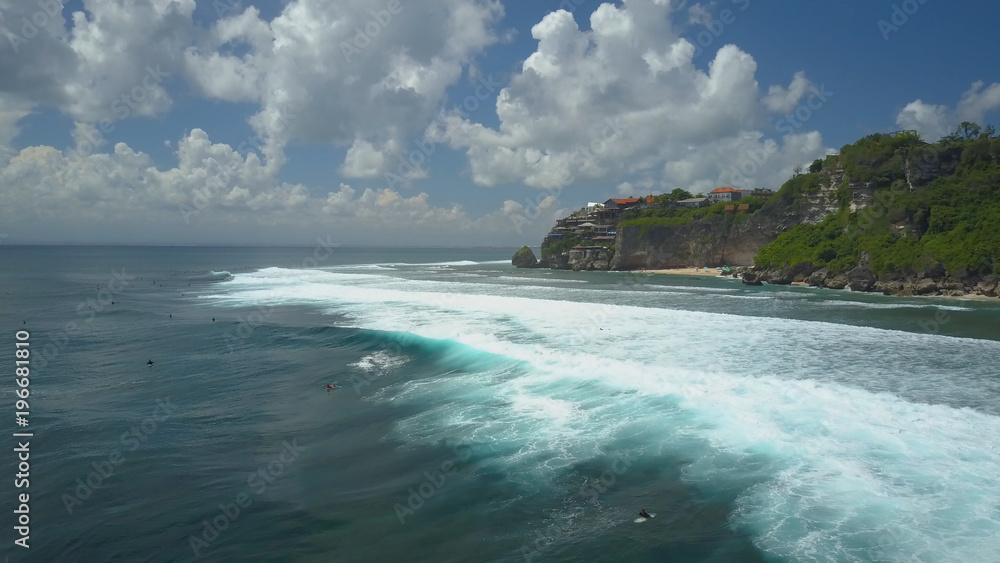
646, 218
951, 221
558, 246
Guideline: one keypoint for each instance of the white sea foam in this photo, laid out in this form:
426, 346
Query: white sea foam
379, 362
867, 305
879, 444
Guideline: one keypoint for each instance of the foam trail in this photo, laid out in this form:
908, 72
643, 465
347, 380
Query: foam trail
842, 442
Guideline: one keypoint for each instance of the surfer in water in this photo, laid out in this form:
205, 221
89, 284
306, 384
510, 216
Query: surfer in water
329, 387
149, 363
643, 513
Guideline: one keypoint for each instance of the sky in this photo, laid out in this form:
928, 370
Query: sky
446, 122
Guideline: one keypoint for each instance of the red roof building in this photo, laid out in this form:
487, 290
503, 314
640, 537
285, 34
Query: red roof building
724, 194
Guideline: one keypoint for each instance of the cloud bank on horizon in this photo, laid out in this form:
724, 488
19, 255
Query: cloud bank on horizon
379, 85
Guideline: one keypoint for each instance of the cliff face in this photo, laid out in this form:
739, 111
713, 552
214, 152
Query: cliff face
732, 239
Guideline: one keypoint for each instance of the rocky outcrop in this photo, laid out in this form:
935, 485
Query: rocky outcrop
798, 273
861, 279
589, 258
933, 281
753, 278
723, 240
923, 166
524, 258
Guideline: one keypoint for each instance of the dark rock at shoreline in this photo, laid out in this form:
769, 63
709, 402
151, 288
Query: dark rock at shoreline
797, 273
988, 287
753, 278
838, 281
889, 287
819, 277
924, 287
861, 279
524, 258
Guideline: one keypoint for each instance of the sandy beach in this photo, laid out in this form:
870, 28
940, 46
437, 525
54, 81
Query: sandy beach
685, 271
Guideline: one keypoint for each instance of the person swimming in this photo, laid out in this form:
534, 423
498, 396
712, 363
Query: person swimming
149, 363
331, 386
644, 514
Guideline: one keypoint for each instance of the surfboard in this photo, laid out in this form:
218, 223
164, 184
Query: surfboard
640, 519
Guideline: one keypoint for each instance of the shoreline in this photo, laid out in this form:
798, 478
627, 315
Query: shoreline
685, 272
719, 273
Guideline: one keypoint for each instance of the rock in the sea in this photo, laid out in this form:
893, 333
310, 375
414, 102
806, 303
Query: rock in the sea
861, 279
524, 258
753, 278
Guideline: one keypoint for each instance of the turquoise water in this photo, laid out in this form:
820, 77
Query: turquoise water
489, 413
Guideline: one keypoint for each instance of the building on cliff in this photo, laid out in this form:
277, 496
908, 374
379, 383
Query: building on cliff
692, 203
625, 203
724, 194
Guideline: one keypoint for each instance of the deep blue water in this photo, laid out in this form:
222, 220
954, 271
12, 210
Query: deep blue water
488, 413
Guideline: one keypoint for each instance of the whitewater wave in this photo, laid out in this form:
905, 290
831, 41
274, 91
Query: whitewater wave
212, 276
842, 442
865, 305
379, 362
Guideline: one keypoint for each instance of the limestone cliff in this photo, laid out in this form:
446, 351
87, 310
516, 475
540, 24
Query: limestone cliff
728, 239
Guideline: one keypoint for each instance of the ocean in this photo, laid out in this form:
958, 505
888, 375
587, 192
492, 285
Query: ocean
486, 413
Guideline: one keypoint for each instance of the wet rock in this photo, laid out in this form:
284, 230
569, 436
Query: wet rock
838, 281
988, 288
861, 279
819, 277
524, 258
889, 287
925, 287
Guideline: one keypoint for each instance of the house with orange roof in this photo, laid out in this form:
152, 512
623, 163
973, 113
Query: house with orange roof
616, 203
724, 194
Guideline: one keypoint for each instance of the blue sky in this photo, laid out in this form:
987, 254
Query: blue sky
655, 96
